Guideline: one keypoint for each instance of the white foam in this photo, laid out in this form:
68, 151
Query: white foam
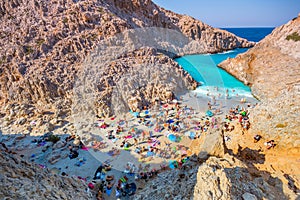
213, 91
226, 52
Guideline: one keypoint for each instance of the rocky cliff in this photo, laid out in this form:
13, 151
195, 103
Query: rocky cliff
23, 180
271, 68
44, 43
221, 175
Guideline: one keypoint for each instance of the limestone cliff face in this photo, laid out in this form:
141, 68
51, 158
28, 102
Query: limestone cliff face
43, 43
22, 180
271, 68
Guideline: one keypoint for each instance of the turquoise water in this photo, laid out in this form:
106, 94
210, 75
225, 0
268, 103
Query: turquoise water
215, 81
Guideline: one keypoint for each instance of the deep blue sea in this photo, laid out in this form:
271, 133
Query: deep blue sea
203, 67
251, 34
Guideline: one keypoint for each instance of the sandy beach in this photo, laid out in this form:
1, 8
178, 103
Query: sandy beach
131, 146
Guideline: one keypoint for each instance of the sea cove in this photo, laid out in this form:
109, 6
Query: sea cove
94, 103
214, 80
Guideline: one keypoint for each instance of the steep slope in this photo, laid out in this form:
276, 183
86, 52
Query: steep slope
222, 175
272, 69
22, 180
43, 43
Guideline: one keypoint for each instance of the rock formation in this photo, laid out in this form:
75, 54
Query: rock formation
23, 180
45, 43
222, 175
271, 68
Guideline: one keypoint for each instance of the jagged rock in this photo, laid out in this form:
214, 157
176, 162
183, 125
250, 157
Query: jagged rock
213, 145
36, 183
209, 144
46, 55
271, 69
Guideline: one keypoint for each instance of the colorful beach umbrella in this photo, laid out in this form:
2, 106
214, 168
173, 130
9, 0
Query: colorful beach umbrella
172, 137
209, 113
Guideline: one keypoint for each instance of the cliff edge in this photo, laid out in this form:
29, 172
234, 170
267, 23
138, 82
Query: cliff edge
271, 68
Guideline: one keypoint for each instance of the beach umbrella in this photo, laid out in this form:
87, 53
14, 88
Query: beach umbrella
209, 113
132, 188
142, 114
149, 153
147, 112
135, 114
243, 113
192, 135
173, 164
172, 137
170, 121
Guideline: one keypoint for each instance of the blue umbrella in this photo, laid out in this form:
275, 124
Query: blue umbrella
172, 137
149, 153
135, 114
209, 113
192, 135
173, 164
170, 121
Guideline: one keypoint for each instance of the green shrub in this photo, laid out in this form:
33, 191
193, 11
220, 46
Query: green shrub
53, 138
294, 36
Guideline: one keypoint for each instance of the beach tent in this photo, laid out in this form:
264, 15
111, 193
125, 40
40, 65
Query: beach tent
209, 113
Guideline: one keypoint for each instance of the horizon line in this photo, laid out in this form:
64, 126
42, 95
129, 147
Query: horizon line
248, 27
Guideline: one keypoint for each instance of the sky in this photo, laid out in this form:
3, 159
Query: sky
236, 13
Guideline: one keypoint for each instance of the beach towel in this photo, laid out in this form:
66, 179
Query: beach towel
127, 148
91, 185
118, 194
84, 148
